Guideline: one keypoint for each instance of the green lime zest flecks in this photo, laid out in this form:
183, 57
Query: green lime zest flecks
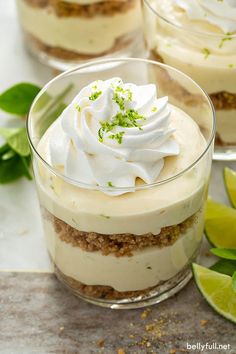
118, 137
227, 38
110, 184
95, 95
78, 108
121, 95
127, 119
206, 52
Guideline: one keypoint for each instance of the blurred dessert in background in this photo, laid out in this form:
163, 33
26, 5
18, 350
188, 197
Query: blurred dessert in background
199, 38
71, 31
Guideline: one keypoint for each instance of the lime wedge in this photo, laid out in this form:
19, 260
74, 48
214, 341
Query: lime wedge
220, 225
217, 290
230, 184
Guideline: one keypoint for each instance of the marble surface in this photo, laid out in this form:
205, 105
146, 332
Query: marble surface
37, 315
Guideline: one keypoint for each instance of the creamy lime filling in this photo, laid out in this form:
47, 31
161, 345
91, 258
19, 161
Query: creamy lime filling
207, 55
137, 212
152, 264
93, 35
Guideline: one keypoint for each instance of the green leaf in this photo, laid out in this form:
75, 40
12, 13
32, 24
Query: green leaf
42, 102
26, 166
53, 110
3, 149
224, 266
234, 282
7, 132
49, 118
227, 253
19, 142
18, 99
11, 169
8, 155
16, 139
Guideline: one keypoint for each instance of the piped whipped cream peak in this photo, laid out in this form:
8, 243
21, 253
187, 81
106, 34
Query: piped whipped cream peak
113, 133
221, 13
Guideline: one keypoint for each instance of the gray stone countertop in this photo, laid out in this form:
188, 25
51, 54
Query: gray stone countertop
38, 315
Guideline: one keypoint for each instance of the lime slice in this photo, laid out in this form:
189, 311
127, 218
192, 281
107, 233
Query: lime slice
220, 225
217, 289
230, 184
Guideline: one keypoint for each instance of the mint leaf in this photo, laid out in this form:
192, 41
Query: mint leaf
3, 149
11, 169
26, 161
42, 102
54, 108
227, 253
50, 117
224, 266
234, 282
15, 158
19, 142
18, 99
7, 132
16, 139
8, 155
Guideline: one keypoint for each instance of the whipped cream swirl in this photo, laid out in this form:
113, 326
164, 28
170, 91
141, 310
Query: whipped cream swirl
221, 13
113, 133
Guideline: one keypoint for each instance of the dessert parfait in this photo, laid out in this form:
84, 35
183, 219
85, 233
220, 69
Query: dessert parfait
199, 38
122, 178
64, 32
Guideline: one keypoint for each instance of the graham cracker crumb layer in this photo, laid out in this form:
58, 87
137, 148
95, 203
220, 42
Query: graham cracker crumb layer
99, 291
109, 293
67, 9
118, 244
172, 87
65, 54
221, 100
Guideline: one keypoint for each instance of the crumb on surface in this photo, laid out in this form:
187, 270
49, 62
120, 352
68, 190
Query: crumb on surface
101, 343
120, 351
203, 322
145, 313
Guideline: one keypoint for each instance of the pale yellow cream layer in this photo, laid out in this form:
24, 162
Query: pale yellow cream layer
83, 35
137, 212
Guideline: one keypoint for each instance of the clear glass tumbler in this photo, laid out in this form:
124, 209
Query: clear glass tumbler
135, 249
202, 52
63, 33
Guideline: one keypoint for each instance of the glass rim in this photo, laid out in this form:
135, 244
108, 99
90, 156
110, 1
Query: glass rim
108, 188
183, 28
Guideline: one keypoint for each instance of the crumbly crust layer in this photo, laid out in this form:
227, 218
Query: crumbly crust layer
172, 86
222, 100
118, 244
70, 55
99, 291
67, 9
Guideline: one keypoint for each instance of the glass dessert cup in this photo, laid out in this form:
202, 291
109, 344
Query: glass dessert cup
135, 249
207, 56
64, 33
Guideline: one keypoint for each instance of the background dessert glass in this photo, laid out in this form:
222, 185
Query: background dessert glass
135, 249
62, 33
207, 57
